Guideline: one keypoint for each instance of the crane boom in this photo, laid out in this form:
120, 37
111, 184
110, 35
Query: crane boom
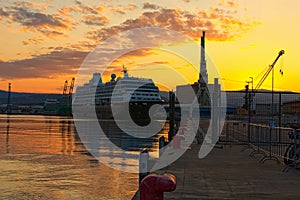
269, 70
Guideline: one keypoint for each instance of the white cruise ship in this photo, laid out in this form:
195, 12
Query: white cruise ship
141, 93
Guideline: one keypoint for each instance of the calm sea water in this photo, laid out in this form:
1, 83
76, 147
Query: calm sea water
42, 157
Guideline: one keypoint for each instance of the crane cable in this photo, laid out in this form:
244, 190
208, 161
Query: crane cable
259, 76
226, 79
281, 66
264, 71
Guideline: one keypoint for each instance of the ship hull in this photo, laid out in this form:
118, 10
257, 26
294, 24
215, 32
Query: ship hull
138, 112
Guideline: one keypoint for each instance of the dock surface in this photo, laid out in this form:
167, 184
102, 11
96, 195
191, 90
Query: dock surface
229, 173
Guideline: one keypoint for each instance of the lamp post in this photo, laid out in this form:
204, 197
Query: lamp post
271, 126
272, 100
248, 104
251, 97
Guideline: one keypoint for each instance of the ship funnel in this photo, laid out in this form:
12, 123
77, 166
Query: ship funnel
125, 71
96, 80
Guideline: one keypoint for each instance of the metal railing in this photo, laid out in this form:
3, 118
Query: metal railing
271, 142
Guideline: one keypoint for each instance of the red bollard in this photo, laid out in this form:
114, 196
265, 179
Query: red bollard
177, 140
153, 186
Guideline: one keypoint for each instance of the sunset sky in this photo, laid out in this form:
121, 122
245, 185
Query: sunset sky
43, 43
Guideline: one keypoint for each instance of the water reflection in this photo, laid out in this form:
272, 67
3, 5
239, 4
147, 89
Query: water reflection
37, 134
7, 134
45, 158
115, 147
123, 140
56, 135
67, 135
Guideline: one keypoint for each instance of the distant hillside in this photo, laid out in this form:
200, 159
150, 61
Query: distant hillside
236, 98
21, 98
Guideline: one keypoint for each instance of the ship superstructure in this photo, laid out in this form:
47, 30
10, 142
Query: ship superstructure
130, 89
139, 93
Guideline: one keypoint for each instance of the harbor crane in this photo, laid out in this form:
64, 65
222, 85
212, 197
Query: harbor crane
66, 101
248, 96
66, 87
71, 86
268, 71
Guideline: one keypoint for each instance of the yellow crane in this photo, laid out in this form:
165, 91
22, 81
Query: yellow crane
268, 71
244, 110
66, 87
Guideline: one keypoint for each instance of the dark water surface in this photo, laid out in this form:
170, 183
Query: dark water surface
42, 157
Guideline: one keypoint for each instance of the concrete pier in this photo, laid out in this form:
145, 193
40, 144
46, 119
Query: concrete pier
228, 173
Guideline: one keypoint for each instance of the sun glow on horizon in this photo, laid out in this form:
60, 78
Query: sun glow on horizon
44, 44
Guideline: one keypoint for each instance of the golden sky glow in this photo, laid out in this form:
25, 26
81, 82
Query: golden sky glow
43, 43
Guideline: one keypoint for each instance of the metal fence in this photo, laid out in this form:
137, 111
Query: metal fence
273, 143
266, 125
263, 106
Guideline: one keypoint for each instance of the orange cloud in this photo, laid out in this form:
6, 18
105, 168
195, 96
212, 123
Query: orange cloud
79, 7
82, 46
220, 24
49, 25
33, 41
232, 4
119, 10
151, 6
99, 8
39, 20
88, 9
161, 62
53, 64
95, 20
3, 13
67, 10
38, 6
138, 53
52, 33
131, 6
228, 3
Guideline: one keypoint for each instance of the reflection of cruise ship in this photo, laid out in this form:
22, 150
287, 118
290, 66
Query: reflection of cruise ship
139, 93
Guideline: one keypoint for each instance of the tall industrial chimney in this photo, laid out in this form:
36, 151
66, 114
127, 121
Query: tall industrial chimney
203, 77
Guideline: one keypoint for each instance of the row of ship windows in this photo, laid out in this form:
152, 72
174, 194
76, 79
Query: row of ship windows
152, 96
139, 98
121, 99
128, 85
139, 94
120, 94
120, 91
